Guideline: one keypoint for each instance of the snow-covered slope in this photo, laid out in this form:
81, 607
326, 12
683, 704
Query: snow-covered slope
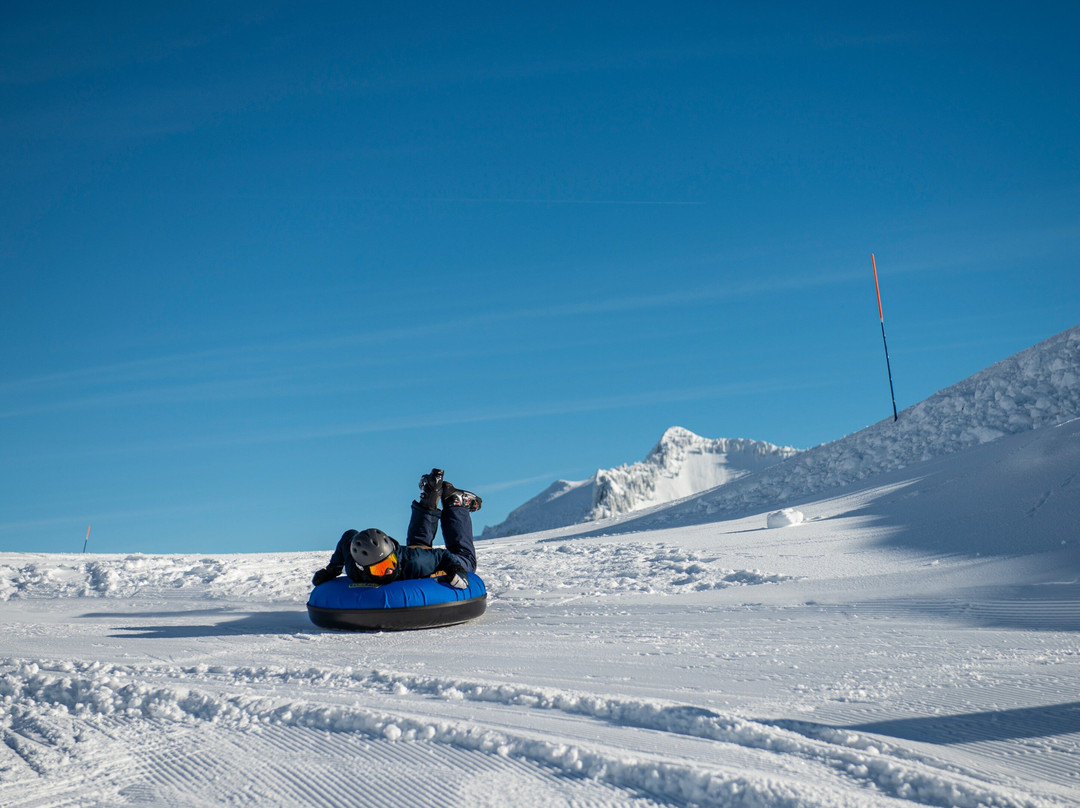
681, 464
1037, 387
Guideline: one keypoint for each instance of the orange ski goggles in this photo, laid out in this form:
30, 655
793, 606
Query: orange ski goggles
384, 567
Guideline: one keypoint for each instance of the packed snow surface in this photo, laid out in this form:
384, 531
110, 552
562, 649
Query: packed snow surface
681, 464
913, 642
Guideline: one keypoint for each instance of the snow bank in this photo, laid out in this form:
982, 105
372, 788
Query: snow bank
608, 568
1036, 388
271, 577
595, 567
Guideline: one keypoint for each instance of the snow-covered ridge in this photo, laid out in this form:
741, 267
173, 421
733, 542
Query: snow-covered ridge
680, 465
1035, 388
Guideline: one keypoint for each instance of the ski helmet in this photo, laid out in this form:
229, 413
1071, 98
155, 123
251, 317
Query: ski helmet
370, 547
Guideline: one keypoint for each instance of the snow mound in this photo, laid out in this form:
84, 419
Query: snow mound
604, 569
274, 577
680, 465
785, 518
549, 567
1038, 387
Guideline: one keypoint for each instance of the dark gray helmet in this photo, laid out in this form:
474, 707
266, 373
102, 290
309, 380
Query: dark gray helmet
370, 547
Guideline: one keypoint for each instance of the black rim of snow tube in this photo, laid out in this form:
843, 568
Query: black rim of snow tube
409, 617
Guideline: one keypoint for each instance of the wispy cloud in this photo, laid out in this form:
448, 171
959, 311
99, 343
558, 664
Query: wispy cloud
524, 200
142, 36
444, 418
699, 296
273, 370
596, 58
508, 484
225, 358
556, 408
330, 364
975, 251
78, 522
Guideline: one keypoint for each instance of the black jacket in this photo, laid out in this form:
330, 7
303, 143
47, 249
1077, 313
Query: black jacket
413, 562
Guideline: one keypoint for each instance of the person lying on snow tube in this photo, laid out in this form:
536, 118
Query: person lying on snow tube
371, 557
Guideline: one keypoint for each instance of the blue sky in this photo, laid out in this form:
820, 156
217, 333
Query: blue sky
264, 264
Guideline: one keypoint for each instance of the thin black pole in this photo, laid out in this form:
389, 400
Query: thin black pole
881, 315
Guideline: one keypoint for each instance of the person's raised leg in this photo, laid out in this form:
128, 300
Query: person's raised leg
457, 533
424, 520
457, 525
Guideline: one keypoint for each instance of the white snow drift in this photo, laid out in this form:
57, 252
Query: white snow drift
787, 517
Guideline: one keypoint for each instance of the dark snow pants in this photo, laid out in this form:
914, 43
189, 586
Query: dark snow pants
456, 529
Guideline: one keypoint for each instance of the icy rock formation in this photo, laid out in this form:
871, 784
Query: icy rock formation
680, 465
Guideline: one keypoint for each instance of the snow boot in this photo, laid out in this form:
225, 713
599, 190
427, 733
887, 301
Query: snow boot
455, 496
431, 490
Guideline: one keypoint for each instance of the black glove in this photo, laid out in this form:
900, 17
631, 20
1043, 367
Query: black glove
322, 576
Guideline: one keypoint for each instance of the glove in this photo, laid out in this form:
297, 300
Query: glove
459, 580
322, 576
457, 577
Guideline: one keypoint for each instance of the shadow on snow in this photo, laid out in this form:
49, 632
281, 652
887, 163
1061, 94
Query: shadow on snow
994, 725
231, 623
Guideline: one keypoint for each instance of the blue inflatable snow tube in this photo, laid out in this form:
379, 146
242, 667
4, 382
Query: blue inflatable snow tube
396, 606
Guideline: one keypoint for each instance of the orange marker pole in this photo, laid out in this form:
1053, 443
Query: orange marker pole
881, 316
87, 538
